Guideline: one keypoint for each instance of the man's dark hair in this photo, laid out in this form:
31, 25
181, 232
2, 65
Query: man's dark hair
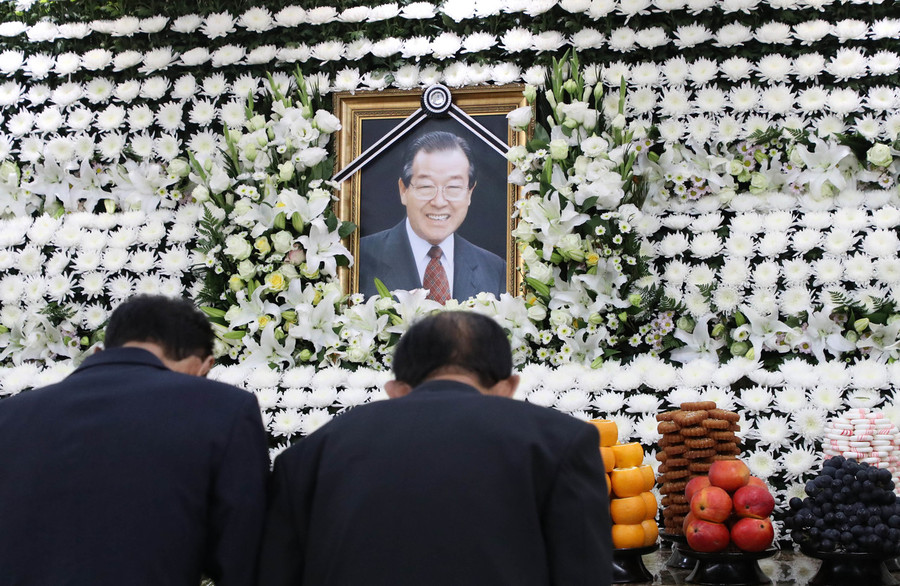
435, 142
180, 329
453, 342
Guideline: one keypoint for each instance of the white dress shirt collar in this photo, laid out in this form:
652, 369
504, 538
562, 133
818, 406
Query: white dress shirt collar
420, 248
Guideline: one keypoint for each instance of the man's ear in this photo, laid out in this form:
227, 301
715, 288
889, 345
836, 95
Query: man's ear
206, 365
396, 389
505, 388
402, 188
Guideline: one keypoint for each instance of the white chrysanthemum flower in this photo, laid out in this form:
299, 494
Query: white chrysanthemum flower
625, 426
697, 373
94, 315
811, 31
727, 299
504, 73
766, 274
762, 464
120, 287
809, 422
542, 396
645, 428
812, 100
299, 377
609, 402
796, 300
795, 271
739, 245
859, 269
286, 423
92, 284
148, 285
643, 403
881, 243
868, 374
691, 35
710, 99
850, 29
775, 68
826, 397
843, 101
757, 399
734, 272
792, 398
887, 270
196, 56
743, 98
799, 461
733, 35
676, 71
322, 396
773, 33
229, 55
706, 244
573, 400
736, 68
847, 64
808, 66
267, 397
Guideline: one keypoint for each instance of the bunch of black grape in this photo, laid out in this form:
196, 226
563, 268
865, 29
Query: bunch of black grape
850, 507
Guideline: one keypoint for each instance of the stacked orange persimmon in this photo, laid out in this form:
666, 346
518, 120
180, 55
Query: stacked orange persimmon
632, 506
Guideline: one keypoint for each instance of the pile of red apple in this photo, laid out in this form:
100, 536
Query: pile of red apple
728, 506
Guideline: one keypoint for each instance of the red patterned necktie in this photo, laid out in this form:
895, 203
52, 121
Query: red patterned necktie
436, 278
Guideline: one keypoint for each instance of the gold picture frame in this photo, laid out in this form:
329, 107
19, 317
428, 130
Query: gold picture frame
369, 197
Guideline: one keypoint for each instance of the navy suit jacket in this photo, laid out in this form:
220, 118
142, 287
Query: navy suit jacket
443, 487
388, 256
129, 473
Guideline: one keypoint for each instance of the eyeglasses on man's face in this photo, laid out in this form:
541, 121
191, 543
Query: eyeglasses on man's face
451, 192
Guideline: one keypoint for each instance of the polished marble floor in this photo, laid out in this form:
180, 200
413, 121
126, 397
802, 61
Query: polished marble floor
785, 568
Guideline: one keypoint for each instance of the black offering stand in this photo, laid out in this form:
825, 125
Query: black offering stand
730, 568
628, 565
843, 568
679, 560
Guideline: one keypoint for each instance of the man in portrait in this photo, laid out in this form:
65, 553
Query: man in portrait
436, 182
450, 482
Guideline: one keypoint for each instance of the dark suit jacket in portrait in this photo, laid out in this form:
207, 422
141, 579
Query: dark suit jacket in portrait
129, 473
387, 256
444, 486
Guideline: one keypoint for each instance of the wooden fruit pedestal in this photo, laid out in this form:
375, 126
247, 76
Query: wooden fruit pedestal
729, 568
843, 568
628, 565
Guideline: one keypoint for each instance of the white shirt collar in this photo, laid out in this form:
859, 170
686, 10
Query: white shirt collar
420, 248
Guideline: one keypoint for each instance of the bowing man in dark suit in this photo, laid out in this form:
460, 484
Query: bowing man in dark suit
134, 469
436, 185
451, 482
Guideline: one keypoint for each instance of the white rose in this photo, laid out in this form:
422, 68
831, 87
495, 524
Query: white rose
594, 146
541, 272
282, 241
326, 121
312, 156
246, 270
537, 312
520, 117
559, 317
516, 153
237, 247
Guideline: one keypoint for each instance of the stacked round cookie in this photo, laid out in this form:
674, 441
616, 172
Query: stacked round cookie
867, 436
693, 437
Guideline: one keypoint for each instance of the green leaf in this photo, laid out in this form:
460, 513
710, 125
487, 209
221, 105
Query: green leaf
212, 311
235, 335
346, 229
382, 289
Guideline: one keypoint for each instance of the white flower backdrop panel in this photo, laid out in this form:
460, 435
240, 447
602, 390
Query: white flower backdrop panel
189, 153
